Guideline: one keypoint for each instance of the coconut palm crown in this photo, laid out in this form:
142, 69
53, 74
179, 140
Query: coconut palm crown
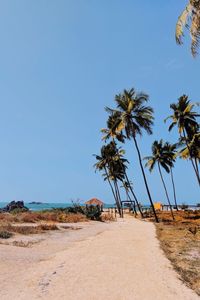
112, 131
184, 117
135, 115
111, 158
161, 155
194, 146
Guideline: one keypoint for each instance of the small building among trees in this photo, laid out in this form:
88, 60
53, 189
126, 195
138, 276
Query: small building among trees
95, 202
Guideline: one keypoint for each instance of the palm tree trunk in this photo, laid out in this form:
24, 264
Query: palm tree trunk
134, 196
196, 164
145, 180
174, 190
127, 179
165, 190
119, 197
196, 170
114, 193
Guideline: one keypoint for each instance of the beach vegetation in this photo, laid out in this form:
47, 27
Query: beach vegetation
5, 234
58, 215
180, 242
93, 212
26, 229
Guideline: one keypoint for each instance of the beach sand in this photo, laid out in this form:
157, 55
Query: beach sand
116, 261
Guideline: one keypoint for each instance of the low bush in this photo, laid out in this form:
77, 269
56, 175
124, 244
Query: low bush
93, 212
47, 227
5, 234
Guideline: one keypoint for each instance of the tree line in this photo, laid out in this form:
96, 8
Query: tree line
131, 117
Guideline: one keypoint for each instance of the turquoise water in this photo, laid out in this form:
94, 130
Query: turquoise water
44, 206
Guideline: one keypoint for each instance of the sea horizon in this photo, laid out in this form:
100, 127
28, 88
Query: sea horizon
38, 206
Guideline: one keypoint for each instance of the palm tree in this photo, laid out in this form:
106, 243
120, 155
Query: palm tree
112, 131
127, 182
134, 117
105, 163
185, 118
126, 187
190, 19
160, 158
170, 150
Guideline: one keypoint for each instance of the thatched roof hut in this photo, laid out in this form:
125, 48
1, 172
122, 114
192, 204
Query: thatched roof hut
95, 202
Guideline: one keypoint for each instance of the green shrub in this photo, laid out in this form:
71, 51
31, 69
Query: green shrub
5, 234
75, 209
93, 212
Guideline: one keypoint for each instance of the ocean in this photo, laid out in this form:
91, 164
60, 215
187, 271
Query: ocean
43, 206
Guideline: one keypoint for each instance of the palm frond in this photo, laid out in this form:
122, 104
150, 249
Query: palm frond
182, 22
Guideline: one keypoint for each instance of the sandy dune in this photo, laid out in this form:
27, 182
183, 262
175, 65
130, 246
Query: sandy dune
117, 261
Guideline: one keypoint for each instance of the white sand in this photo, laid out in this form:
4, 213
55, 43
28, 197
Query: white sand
116, 261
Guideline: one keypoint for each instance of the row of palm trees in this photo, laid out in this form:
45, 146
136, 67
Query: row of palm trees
131, 117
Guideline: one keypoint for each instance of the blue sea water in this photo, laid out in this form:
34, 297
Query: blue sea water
43, 206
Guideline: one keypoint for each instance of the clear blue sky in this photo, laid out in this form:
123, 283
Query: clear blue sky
61, 63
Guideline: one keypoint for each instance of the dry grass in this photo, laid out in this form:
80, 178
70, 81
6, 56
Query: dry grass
47, 216
23, 229
45, 220
108, 217
180, 241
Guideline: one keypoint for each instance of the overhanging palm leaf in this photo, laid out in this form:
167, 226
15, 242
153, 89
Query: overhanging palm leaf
190, 19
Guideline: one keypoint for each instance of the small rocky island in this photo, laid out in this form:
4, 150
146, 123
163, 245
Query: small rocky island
14, 205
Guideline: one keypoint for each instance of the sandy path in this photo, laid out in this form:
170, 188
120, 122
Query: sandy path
119, 261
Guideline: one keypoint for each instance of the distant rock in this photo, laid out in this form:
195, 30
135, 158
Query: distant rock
14, 205
35, 202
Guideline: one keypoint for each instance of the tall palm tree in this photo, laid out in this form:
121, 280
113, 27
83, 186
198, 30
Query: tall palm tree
185, 118
135, 117
190, 19
170, 151
163, 160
